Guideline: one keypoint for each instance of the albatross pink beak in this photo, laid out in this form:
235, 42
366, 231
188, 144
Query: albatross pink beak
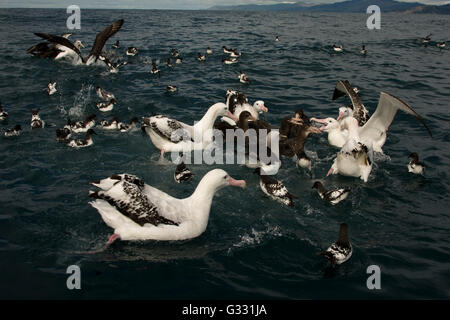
236, 183
341, 115
232, 116
264, 109
324, 121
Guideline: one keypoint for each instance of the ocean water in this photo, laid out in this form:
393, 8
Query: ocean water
253, 247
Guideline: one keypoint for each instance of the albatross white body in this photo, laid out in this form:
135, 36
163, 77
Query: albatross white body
191, 214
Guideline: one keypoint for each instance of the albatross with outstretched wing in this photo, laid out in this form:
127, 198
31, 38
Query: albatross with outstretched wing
73, 49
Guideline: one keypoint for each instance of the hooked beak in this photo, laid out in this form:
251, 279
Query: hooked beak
341, 115
231, 116
236, 183
264, 109
319, 120
82, 45
316, 130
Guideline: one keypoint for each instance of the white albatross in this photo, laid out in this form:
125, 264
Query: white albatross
355, 158
374, 131
168, 134
137, 211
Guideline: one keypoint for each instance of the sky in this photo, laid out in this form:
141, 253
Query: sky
159, 4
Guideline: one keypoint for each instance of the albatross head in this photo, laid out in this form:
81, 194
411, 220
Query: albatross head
328, 124
259, 105
217, 179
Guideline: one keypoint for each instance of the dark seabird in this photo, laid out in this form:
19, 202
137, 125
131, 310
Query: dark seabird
171, 88
103, 94
277, 39
106, 106
131, 51
339, 48
15, 131
50, 50
201, 57
230, 60
363, 50
226, 50
175, 53
341, 250
3, 113
414, 165
295, 146
332, 196
116, 45
125, 127
427, 39
155, 69
441, 45
182, 173
209, 50
275, 189
70, 48
113, 66
290, 127
169, 63
51, 88
36, 121
243, 78
63, 134
110, 125
81, 143
81, 126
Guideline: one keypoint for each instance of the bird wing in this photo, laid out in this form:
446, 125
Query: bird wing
383, 116
343, 88
61, 41
103, 36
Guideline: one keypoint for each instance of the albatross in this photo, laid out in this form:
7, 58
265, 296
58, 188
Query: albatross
68, 48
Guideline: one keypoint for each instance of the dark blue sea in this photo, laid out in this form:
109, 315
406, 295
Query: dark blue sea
253, 247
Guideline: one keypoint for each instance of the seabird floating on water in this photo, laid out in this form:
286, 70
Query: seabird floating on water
331, 196
103, 94
414, 165
137, 211
81, 126
131, 51
209, 51
3, 113
51, 88
201, 57
125, 127
274, 189
63, 134
171, 88
182, 173
15, 131
110, 125
363, 50
243, 78
339, 48
82, 143
341, 250
230, 60
36, 121
106, 106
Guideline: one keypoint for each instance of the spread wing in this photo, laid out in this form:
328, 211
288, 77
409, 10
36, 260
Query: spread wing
359, 110
59, 40
381, 120
103, 36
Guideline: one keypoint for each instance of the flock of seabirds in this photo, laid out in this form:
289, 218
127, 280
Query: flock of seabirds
138, 211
